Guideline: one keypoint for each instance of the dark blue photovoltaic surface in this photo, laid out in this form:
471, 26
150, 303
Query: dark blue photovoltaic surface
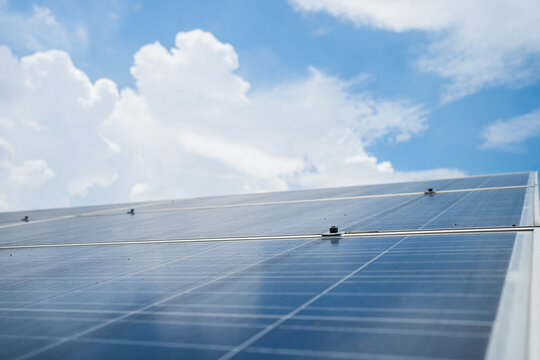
431, 296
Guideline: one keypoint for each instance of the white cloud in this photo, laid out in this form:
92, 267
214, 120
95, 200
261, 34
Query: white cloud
246, 159
37, 31
476, 44
51, 114
508, 134
32, 174
138, 190
191, 127
18, 181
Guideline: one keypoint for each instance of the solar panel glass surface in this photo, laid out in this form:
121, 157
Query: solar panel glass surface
388, 297
417, 296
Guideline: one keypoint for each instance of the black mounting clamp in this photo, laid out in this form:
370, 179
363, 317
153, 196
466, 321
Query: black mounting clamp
332, 231
429, 192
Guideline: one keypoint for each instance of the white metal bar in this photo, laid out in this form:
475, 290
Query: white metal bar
343, 198
349, 234
227, 206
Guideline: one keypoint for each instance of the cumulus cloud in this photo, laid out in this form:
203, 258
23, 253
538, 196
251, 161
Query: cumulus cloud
50, 114
37, 31
18, 179
476, 44
509, 134
190, 127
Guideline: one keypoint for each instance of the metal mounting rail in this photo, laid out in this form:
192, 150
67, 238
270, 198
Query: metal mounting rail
346, 234
135, 209
493, 229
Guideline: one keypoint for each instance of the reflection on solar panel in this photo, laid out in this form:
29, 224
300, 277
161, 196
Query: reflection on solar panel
411, 274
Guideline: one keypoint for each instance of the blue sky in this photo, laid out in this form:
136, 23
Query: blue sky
270, 95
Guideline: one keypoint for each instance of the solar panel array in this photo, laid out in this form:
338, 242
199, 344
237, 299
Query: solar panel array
169, 281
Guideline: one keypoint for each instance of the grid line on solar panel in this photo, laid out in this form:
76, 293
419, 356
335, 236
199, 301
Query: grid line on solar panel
252, 350
368, 311
273, 352
348, 321
483, 333
268, 293
421, 321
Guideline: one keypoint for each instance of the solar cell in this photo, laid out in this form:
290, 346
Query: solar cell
354, 297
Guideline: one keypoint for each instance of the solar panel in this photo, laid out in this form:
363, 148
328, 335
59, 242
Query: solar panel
409, 276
